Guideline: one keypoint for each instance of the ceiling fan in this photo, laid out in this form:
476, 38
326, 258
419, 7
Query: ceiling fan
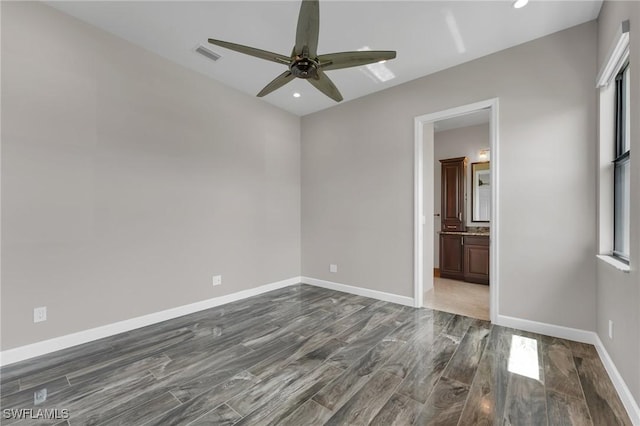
304, 61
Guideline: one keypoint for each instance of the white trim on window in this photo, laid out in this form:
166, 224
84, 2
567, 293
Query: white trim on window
618, 264
618, 54
615, 60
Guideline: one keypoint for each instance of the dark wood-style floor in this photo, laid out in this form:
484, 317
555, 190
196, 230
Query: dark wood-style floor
305, 356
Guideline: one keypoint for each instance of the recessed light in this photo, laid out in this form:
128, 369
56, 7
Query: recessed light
518, 4
296, 95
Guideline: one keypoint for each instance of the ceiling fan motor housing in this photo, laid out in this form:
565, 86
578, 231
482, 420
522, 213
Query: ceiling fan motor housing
304, 68
304, 61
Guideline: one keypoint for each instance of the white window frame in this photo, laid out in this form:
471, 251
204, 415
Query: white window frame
617, 58
621, 156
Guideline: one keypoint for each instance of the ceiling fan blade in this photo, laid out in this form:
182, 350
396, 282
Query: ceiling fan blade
308, 28
326, 86
336, 61
258, 53
277, 83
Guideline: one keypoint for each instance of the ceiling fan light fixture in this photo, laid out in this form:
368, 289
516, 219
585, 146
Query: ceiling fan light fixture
305, 63
519, 4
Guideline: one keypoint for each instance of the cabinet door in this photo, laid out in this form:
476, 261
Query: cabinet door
451, 259
476, 259
453, 193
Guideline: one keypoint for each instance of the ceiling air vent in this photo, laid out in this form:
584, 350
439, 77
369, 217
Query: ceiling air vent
208, 53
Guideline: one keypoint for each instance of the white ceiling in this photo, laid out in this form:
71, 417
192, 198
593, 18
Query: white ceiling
428, 35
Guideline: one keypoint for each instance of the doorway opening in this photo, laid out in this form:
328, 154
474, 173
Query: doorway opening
456, 214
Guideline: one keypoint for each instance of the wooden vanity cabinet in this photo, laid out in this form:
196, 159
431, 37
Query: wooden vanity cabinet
465, 257
476, 259
451, 256
453, 177
462, 256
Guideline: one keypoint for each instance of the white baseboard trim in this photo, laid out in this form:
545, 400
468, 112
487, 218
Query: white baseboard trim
621, 387
374, 294
583, 336
553, 330
22, 353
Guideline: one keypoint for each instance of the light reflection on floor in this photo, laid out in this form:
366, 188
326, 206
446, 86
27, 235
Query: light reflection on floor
523, 357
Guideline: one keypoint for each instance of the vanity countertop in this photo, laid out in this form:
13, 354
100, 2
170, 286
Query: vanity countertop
471, 233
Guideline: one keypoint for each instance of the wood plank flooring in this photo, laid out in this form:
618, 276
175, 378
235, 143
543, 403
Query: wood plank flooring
309, 356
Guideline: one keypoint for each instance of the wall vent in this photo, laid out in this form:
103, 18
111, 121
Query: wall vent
208, 53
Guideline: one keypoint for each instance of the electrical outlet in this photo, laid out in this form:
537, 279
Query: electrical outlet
333, 268
40, 314
610, 329
39, 396
217, 280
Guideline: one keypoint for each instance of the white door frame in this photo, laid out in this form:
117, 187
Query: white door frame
423, 226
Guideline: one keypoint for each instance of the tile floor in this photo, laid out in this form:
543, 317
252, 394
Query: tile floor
458, 297
309, 356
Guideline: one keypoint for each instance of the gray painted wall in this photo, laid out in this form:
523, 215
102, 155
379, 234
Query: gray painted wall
618, 293
128, 181
461, 142
357, 178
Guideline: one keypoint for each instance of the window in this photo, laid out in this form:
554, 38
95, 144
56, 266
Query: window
614, 159
622, 168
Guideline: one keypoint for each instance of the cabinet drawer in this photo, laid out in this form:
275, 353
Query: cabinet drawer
476, 240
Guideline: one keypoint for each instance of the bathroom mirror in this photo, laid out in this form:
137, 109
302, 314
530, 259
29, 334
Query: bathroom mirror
480, 192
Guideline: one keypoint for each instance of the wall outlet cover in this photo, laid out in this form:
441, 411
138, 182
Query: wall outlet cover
39, 396
333, 268
217, 280
40, 314
610, 329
